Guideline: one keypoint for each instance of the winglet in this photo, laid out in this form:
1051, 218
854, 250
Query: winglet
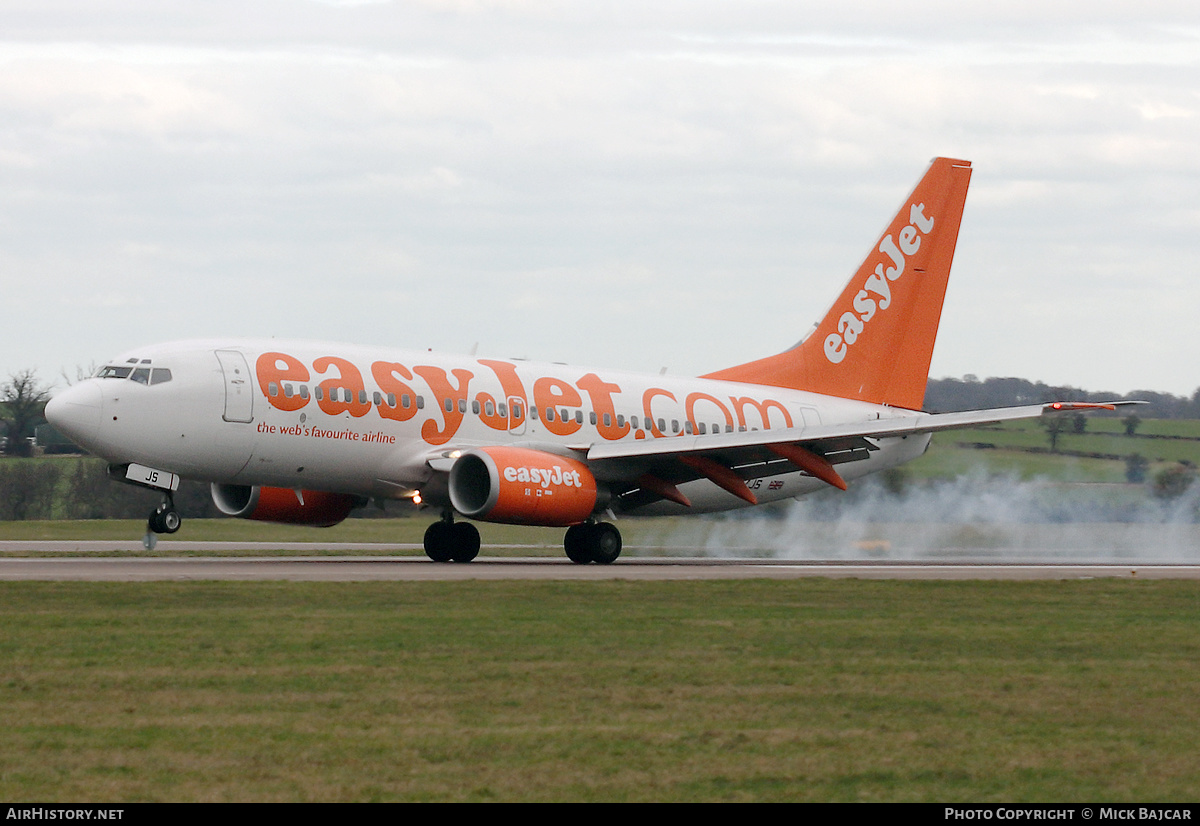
876, 342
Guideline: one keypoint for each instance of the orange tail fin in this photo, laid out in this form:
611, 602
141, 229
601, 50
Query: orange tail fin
876, 342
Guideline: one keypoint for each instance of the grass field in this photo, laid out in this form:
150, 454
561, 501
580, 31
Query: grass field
614, 691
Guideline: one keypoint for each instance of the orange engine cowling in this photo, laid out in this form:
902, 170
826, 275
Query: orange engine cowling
307, 507
522, 487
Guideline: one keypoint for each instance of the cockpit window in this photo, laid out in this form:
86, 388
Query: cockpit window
142, 375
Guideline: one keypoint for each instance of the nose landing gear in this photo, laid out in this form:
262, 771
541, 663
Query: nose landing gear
164, 519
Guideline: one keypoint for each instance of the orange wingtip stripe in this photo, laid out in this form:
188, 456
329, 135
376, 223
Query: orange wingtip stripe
1068, 406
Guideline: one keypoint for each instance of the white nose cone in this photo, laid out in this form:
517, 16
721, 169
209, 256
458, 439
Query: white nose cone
75, 413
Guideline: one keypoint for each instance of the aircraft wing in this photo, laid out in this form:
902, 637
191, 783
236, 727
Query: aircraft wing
729, 459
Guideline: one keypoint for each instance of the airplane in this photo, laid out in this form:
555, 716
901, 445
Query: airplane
304, 432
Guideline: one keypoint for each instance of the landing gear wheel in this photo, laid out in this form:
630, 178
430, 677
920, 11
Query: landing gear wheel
171, 520
576, 544
438, 541
597, 542
605, 543
464, 542
164, 519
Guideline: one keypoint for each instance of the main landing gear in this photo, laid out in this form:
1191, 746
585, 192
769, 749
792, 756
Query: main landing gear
598, 542
450, 541
163, 519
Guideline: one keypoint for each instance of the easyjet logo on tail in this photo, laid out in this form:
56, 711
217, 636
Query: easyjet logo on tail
876, 292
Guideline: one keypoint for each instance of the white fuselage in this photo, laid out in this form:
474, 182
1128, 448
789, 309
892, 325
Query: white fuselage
369, 421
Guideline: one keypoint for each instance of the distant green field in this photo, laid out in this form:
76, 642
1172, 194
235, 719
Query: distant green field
1021, 449
946, 460
812, 690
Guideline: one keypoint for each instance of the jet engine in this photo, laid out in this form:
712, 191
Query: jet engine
523, 487
305, 507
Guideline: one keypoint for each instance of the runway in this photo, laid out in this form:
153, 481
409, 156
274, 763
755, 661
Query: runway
78, 562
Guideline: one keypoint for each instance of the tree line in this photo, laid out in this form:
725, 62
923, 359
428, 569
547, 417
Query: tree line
79, 488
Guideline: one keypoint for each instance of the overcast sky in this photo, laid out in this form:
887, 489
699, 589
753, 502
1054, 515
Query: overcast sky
626, 184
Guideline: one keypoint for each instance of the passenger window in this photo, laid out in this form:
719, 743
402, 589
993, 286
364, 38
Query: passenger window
420, 402
549, 414
674, 425
608, 420
287, 390
592, 417
578, 417
404, 401
488, 409
272, 389
378, 399
503, 411
462, 405
304, 391
448, 404
475, 407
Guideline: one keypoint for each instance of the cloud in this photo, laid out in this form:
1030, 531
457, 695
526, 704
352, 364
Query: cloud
736, 159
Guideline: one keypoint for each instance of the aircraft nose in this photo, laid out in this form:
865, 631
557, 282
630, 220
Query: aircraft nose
75, 412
